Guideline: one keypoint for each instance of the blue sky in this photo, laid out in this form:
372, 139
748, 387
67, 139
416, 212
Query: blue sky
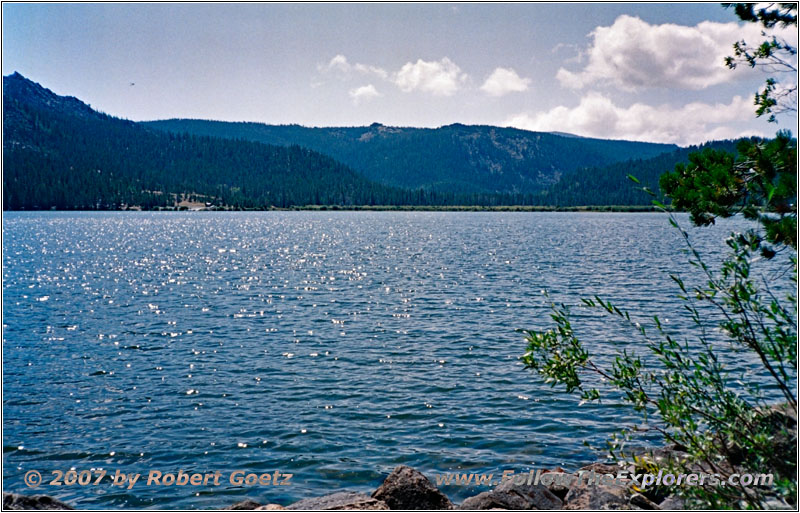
634, 71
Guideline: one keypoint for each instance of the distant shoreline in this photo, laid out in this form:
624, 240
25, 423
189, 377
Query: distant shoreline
380, 208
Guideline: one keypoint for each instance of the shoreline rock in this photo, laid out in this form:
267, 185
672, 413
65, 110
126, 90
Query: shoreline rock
406, 488
16, 501
345, 500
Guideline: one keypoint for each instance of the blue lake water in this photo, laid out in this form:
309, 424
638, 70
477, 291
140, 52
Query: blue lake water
330, 345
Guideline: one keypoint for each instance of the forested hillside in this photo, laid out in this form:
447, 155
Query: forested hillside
454, 158
59, 153
610, 185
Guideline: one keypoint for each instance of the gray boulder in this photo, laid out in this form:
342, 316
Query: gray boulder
15, 501
597, 496
494, 500
558, 481
601, 468
672, 502
407, 488
512, 495
340, 501
246, 504
537, 496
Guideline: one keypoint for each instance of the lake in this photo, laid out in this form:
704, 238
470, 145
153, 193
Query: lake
331, 345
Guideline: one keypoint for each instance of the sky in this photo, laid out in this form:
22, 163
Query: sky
647, 72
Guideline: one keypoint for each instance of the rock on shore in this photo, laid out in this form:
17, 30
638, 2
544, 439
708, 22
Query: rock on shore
512, 495
15, 501
340, 501
407, 488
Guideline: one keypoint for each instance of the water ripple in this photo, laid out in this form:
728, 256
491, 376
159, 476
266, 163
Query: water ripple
330, 345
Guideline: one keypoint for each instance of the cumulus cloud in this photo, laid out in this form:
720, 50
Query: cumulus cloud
503, 81
341, 64
363, 68
338, 63
362, 93
598, 116
633, 54
441, 77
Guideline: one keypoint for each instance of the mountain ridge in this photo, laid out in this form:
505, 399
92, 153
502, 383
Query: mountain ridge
454, 158
21, 88
60, 153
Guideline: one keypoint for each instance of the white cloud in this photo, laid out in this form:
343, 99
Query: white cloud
598, 116
503, 81
362, 68
341, 64
633, 54
441, 77
362, 93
